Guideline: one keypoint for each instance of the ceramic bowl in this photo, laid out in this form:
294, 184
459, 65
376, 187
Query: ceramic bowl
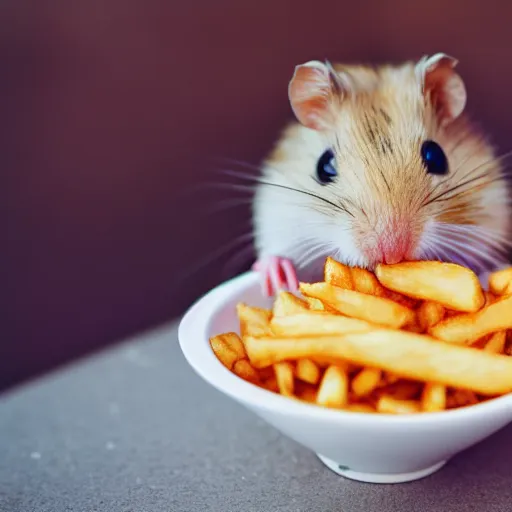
373, 448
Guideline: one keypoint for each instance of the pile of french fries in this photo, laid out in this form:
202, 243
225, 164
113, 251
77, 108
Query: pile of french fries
408, 338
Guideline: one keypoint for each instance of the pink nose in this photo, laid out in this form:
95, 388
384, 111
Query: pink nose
391, 246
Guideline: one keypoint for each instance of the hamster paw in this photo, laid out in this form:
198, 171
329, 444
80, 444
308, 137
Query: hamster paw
276, 273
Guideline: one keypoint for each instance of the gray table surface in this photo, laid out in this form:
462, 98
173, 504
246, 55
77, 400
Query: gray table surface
133, 429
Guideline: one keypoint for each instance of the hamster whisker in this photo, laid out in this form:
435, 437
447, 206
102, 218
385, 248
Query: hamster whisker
241, 163
308, 193
485, 256
227, 204
239, 175
485, 234
491, 162
454, 255
197, 266
490, 245
237, 187
237, 260
492, 254
441, 196
316, 252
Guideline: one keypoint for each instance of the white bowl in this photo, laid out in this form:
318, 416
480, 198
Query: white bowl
373, 448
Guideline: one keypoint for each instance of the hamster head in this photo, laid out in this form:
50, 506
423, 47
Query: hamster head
383, 166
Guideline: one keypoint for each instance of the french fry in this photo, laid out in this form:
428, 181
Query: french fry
413, 337
284, 377
288, 304
234, 342
390, 405
429, 313
270, 384
402, 389
245, 371
450, 285
333, 390
489, 298
266, 373
508, 343
408, 302
366, 381
496, 342
315, 304
222, 349
337, 274
433, 397
365, 282
460, 398
317, 322
414, 326
307, 371
500, 282
253, 321
378, 310
472, 326
360, 407
306, 392
389, 378
413, 356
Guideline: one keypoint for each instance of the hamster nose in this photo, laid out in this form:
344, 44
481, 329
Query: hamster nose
392, 245
391, 256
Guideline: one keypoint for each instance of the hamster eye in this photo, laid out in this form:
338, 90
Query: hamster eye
434, 158
326, 168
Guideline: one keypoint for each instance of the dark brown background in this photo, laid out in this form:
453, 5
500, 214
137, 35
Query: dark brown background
112, 109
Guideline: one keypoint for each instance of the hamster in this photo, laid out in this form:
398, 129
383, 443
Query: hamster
380, 165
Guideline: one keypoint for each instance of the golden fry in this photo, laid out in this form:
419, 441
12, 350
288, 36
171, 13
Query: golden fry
235, 343
366, 381
288, 304
489, 298
433, 397
450, 285
365, 282
460, 398
500, 282
402, 389
253, 321
496, 342
284, 377
408, 302
408, 338
271, 384
429, 313
306, 392
333, 390
316, 323
315, 304
244, 370
337, 274
221, 348
472, 326
378, 310
413, 356
389, 405
307, 371
360, 407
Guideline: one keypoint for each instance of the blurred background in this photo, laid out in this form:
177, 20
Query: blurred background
118, 118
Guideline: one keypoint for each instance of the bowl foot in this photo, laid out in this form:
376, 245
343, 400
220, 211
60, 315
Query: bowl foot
380, 478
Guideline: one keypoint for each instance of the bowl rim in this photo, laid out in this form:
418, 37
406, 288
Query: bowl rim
194, 343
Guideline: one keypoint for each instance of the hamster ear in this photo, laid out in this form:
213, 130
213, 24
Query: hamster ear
442, 85
311, 92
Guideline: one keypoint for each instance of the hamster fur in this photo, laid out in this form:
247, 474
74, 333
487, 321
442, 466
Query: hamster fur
383, 205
